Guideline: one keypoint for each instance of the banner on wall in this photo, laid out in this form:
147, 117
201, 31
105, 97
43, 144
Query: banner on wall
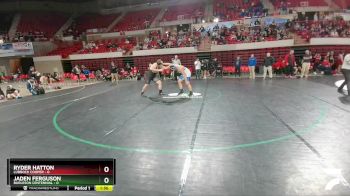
210, 26
277, 21
22, 46
16, 49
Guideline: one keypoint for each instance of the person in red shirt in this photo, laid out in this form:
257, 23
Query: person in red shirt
326, 67
279, 66
133, 72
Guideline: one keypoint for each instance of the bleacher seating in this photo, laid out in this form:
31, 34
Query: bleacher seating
65, 50
299, 3
137, 20
96, 64
45, 24
94, 21
123, 44
183, 12
101, 46
228, 10
344, 4
322, 28
5, 21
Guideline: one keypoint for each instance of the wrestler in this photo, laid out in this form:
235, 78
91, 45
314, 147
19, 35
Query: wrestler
185, 76
152, 74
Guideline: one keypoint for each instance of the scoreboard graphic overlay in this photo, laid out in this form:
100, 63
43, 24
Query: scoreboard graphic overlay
61, 174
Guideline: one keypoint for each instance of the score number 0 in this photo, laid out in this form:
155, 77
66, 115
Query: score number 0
106, 170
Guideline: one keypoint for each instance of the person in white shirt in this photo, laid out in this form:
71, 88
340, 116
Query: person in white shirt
175, 61
198, 66
346, 72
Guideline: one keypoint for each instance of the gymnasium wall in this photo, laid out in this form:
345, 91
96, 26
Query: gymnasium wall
48, 64
330, 41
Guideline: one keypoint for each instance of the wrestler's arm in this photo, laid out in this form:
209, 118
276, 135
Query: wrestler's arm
167, 64
154, 69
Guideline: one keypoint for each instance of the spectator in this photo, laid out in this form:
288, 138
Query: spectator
31, 87
279, 66
332, 60
99, 75
127, 67
56, 77
76, 71
2, 95
12, 93
346, 72
306, 62
85, 71
106, 74
325, 67
290, 64
133, 72
114, 74
198, 65
18, 73
216, 67
2, 76
237, 65
340, 61
176, 60
32, 72
268, 62
205, 68
43, 79
317, 62
252, 63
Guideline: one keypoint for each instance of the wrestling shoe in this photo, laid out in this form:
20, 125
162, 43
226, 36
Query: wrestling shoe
340, 91
181, 92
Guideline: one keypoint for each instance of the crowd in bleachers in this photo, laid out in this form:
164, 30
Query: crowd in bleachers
256, 32
30, 36
343, 4
123, 45
157, 40
228, 10
325, 27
